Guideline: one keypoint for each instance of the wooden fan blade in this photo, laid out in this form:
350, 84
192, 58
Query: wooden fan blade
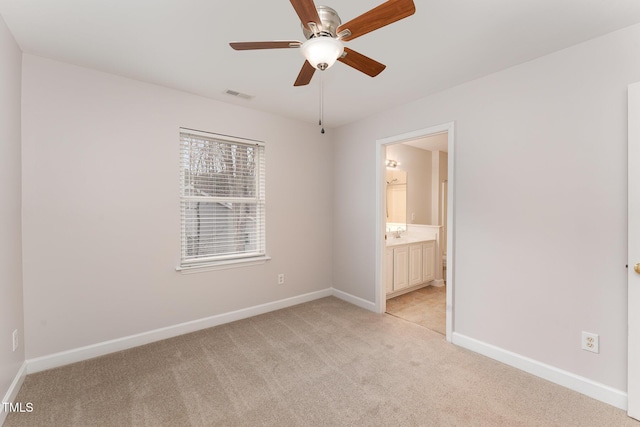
306, 73
306, 11
361, 63
264, 45
385, 14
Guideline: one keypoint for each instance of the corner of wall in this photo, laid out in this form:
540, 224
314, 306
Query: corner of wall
11, 285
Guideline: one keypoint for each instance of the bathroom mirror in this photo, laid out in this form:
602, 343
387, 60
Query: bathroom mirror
396, 199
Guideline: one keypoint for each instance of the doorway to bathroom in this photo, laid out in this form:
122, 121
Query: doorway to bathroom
425, 306
415, 219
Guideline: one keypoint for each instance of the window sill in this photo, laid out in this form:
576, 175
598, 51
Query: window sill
223, 265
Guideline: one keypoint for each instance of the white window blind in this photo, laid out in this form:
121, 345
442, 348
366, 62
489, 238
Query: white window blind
222, 198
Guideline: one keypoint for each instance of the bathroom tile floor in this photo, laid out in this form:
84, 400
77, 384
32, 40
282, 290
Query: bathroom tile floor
425, 306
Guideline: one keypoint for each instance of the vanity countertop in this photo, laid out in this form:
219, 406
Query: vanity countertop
405, 240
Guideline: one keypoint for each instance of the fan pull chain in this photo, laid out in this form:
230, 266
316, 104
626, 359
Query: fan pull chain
321, 106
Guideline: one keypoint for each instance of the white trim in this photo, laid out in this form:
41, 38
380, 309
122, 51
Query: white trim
633, 252
598, 391
14, 388
100, 349
352, 299
219, 136
558, 376
572, 381
451, 229
408, 289
380, 288
222, 265
438, 283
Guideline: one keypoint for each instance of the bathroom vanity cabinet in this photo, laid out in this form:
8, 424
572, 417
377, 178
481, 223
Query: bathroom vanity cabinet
428, 261
409, 266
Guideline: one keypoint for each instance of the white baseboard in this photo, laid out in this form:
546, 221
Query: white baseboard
352, 299
438, 283
100, 349
566, 379
572, 381
14, 388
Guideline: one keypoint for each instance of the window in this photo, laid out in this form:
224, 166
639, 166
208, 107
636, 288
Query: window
222, 199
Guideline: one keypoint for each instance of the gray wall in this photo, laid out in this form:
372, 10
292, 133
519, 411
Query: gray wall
540, 203
101, 213
11, 307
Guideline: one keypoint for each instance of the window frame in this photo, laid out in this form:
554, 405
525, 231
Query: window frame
212, 261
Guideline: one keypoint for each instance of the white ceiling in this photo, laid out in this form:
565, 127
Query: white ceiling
183, 44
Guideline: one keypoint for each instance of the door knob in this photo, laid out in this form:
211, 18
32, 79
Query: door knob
636, 268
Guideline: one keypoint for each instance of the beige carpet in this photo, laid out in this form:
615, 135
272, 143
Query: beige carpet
425, 306
323, 363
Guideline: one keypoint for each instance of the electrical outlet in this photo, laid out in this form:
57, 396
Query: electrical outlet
15, 340
590, 342
281, 279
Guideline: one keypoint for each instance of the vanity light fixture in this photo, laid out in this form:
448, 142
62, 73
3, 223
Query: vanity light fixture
391, 163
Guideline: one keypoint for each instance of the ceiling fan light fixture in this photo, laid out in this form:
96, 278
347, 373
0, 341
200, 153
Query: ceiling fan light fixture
322, 52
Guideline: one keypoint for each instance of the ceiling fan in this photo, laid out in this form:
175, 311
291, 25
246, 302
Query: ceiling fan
325, 35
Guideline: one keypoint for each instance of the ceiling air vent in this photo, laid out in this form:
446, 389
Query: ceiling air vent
238, 94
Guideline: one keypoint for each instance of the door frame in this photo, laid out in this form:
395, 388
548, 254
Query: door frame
381, 200
633, 249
